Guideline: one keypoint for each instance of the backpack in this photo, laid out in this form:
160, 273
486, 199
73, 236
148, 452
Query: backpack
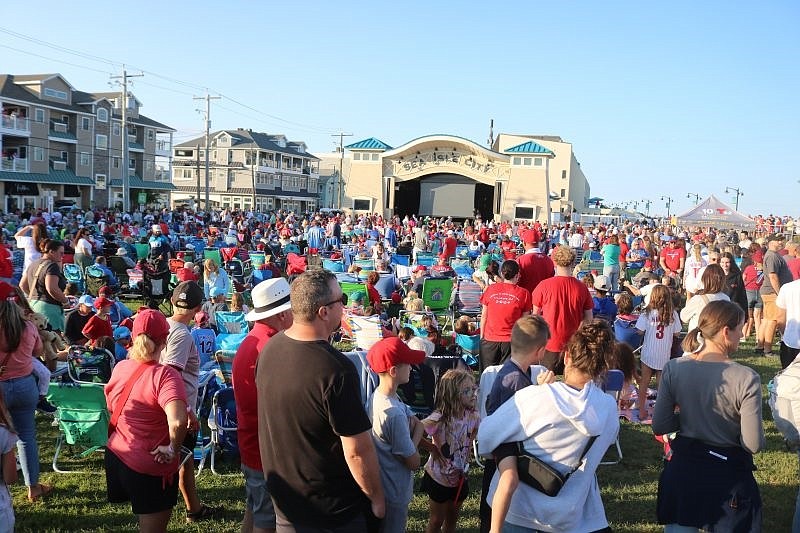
784, 402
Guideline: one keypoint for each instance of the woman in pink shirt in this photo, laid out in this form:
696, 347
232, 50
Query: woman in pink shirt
147, 404
19, 343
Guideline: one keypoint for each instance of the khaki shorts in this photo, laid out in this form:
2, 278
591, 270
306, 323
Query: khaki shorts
771, 311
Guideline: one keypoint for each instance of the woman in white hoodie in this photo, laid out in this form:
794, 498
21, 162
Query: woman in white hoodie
555, 423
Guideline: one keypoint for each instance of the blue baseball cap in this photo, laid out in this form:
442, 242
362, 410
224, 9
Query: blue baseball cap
121, 332
216, 291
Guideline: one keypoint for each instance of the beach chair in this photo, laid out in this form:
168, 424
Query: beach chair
334, 265
365, 264
224, 428
462, 268
95, 279
426, 259
470, 347
260, 275
625, 331
404, 260
213, 254
74, 274
142, 250
176, 264
614, 382
349, 287
224, 360
368, 379
468, 298
82, 418
232, 328
365, 331
437, 293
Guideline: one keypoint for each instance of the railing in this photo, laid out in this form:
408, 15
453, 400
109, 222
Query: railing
163, 145
131, 138
14, 164
60, 127
10, 122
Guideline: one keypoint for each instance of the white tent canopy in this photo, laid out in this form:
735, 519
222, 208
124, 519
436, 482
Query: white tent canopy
712, 212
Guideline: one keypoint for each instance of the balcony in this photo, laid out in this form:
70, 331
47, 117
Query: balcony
15, 124
163, 148
58, 164
60, 127
14, 164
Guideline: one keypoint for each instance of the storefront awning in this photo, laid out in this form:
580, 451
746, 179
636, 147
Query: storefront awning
72, 191
14, 188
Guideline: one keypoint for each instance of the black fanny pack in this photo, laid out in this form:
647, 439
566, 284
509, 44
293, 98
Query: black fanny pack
541, 476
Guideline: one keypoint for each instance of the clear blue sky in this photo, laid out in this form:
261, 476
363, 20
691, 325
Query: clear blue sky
658, 98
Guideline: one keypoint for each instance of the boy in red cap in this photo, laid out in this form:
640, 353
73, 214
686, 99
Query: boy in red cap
100, 323
396, 432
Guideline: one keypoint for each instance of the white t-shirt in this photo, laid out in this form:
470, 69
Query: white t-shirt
789, 299
84, 247
26, 243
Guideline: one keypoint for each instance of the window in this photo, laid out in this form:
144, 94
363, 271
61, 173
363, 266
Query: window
102, 114
53, 93
526, 161
132, 163
524, 212
64, 155
116, 128
270, 202
362, 205
375, 157
516, 161
115, 162
38, 115
86, 123
149, 166
182, 173
151, 135
101, 141
563, 193
563, 174
357, 156
85, 159
537, 161
38, 153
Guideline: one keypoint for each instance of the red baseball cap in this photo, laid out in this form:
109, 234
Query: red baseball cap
102, 301
7, 291
153, 323
390, 352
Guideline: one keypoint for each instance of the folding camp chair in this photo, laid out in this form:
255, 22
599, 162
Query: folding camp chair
295, 264
365, 331
625, 331
95, 279
291, 248
468, 298
224, 360
462, 268
120, 269
403, 260
175, 264
334, 265
615, 380
213, 254
470, 346
142, 250
82, 418
365, 264
349, 287
232, 328
224, 427
74, 274
426, 259
437, 293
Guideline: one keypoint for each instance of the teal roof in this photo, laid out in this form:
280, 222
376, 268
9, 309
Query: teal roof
62, 135
369, 144
138, 183
529, 147
55, 177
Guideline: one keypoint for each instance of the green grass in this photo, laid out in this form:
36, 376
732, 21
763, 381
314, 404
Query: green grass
628, 489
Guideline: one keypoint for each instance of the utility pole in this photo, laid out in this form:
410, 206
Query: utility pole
695, 196
208, 99
491, 133
669, 203
126, 185
197, 159
341, 136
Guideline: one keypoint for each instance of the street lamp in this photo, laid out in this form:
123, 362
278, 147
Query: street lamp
669, 203
738, 194
695, 196
647, 203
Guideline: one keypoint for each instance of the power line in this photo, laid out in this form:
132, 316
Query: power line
55, 60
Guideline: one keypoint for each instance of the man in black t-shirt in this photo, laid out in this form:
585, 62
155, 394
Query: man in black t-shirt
76, 319
315, 437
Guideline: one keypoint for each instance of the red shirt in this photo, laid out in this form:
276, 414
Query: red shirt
374, 297
794, 267
672, 257
186, 274
97, 327
534, 268
505, 303
562, 301
245, 394
449, 247
509, 249
623, 250
142, 425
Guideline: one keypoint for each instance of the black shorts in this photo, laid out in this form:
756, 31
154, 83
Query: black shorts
147, 494
440, 493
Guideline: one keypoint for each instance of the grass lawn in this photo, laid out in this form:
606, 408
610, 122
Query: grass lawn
629, 488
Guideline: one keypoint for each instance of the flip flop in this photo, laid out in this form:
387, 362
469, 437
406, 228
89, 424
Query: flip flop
44, 491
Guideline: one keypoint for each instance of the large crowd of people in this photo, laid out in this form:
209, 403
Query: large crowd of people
329, 441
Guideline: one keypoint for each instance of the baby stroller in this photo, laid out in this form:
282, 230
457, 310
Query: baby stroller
155, 285
89, 365
73, 274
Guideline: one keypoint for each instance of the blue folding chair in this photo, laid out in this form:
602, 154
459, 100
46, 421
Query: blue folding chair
232, 328
404, 260
224, 427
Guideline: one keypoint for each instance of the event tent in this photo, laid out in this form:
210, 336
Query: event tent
712, 212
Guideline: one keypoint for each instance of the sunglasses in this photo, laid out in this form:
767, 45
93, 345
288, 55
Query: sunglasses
342, 300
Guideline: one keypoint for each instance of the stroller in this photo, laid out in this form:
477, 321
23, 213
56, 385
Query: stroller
156, 284
89, 365
73, 274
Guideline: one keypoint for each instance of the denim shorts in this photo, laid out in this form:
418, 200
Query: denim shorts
754, 299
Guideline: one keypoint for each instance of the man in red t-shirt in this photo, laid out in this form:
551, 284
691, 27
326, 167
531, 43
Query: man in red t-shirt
501, 305
793, 259
564, 302
672, 259
272, 313
533, 264
449, 245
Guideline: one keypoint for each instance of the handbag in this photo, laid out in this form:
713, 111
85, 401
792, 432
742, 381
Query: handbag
541, 476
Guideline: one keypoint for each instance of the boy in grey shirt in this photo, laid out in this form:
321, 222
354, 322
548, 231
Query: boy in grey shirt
396, 432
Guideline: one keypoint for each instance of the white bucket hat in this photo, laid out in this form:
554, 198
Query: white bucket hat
270, 297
